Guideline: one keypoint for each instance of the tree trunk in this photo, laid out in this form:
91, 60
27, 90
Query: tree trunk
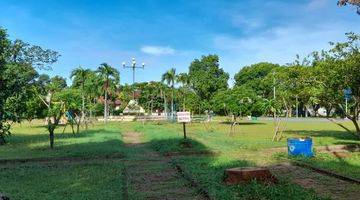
184, 109
328, 111
283, 128
232, 125
172, 103
151, 105
2, 140
357, 128
83, 108
105, 107
51, 136
77, 128
72, 127
165, 106
277, 125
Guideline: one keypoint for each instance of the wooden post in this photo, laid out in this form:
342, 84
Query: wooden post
184, 128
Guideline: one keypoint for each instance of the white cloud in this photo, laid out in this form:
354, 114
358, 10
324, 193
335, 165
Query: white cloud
316, 4
246, 22
157, 50
280, 44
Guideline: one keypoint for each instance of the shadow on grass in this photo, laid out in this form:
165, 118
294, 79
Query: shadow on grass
341, 135
177, 145
350, 146
95, 142
243, 123
206, 173
20, 138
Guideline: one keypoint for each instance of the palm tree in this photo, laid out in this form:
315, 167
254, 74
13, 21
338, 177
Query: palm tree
184, 79
93, 89
108, 75
169, 77
80, 75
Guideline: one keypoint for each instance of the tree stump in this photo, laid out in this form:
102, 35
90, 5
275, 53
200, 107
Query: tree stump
3, 197
248, 174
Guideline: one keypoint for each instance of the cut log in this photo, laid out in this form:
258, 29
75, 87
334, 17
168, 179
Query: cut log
248, 174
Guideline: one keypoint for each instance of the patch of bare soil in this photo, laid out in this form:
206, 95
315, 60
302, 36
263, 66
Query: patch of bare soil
150, 175
328, 148
324, 185
132, 138
192, 153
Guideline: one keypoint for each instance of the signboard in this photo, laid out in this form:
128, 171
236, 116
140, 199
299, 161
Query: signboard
183, 117
347, 93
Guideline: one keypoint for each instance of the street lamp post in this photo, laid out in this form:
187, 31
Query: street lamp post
297, 106
274, 89
133, 66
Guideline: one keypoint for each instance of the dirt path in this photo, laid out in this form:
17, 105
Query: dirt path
327, 148
150, 176
322, 184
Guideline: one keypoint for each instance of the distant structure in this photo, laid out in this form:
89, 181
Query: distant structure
133, 108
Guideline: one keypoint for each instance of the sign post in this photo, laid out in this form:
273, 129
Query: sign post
347, 95
183, 117
184, 128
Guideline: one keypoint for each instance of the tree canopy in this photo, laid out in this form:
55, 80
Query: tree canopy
207, 78
18, 61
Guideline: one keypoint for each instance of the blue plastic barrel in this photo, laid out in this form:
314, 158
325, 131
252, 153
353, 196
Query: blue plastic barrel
300, 146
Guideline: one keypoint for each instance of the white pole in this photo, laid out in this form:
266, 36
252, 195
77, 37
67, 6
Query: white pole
274, 85
297, 107
346, 105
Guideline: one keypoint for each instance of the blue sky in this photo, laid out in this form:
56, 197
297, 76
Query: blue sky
166, 34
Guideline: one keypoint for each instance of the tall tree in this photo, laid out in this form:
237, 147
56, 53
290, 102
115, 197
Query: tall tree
59, 81
207, 78
347, 56
93, 89
284, 98
79, 76
17, 76
184, 79
251, 76
169, 77
72, 104
109, 76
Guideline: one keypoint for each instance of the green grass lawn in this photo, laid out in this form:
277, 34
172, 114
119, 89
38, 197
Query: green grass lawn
96, 180
250, 145
32, 141
348, 166
209, 172
251, 141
